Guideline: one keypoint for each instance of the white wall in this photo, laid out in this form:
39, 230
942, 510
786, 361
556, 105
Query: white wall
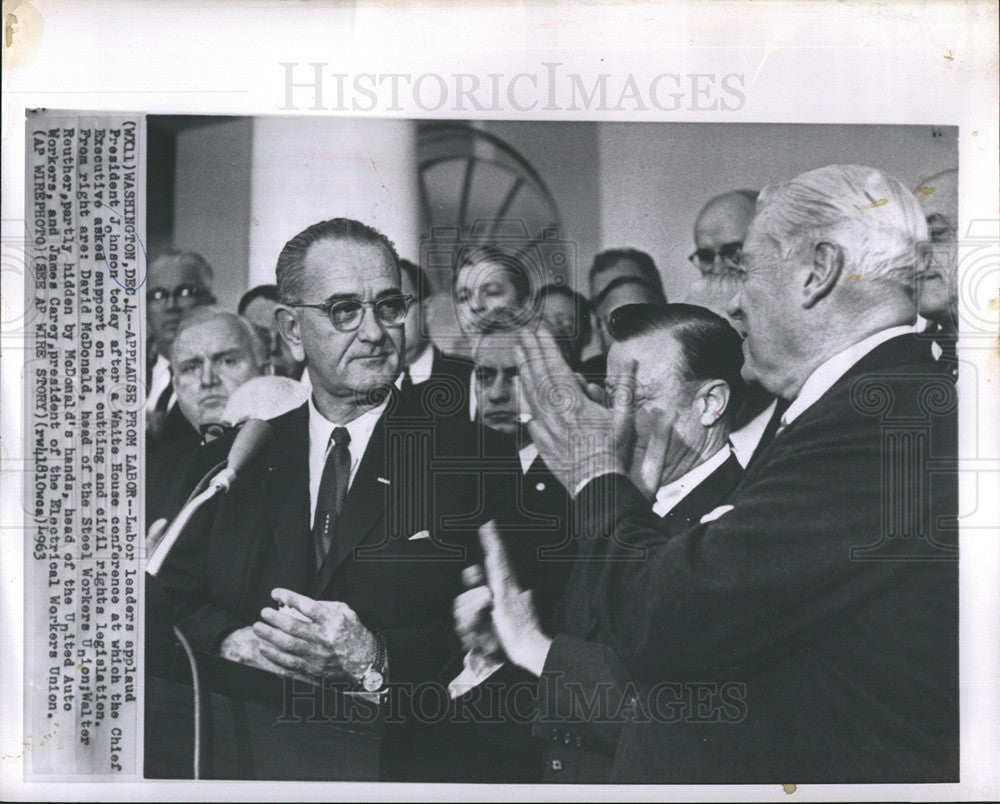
311, 169
654, 178
212, 201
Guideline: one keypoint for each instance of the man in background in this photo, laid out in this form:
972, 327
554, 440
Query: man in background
566, 313
213, 354
422, 360
257, 306
177, 282
937, 280
719, 232
622, 262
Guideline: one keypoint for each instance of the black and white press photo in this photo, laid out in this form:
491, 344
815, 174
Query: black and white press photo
448, 401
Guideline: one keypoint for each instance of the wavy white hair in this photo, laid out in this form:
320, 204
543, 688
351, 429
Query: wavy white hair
873, 217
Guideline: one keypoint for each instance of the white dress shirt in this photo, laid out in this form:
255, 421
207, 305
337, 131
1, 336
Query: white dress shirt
826, 374
746, 439
421, 368
527, 457
320, 430
671, 494
158, 384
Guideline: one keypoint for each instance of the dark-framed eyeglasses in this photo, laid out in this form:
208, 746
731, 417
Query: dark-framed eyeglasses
182, 293
346, 314
728, 253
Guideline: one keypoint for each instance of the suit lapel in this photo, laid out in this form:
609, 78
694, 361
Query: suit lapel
286, 487
366, 503
710, 493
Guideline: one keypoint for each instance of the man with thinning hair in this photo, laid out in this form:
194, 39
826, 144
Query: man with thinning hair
337, 551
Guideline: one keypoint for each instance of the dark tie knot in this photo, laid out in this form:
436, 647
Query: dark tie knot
340, 437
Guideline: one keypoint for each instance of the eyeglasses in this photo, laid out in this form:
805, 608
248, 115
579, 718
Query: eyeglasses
729, 253
346, 314
186, 292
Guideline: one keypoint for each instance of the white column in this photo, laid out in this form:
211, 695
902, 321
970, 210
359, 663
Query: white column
305, 170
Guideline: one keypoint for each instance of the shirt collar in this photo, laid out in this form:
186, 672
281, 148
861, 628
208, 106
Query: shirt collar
423, 366
360, 429
671, 494
746, 439
826, 374
527, 455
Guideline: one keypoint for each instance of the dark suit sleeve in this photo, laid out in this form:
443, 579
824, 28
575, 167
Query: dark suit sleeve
755, 581
183, 576
582, 694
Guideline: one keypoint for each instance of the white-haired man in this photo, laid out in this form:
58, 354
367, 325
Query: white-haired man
819, 603
212, 354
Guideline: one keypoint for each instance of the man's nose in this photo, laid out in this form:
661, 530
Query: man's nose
499, 390
370, 330
209, 376
734, 308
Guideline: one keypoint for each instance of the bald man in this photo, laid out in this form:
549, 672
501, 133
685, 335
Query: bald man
719, 231
718, 238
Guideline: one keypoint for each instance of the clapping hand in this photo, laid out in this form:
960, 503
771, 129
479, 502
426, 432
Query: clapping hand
515, 619
578, 437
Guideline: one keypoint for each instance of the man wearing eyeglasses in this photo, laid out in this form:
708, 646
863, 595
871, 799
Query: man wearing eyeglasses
177, 282
336, 554
719, 231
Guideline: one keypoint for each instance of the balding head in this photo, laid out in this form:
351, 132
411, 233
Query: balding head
937, 287
176, 282
214, 353
719, 232
724, 219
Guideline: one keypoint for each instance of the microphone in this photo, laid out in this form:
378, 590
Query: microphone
248, 444
250, 440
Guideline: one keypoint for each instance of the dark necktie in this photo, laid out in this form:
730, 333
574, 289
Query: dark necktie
332, 492
774, 426
407, 385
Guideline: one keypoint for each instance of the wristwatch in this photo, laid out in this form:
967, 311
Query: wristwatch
373, 679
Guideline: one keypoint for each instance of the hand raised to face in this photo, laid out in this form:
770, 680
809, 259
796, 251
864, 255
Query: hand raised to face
578, 438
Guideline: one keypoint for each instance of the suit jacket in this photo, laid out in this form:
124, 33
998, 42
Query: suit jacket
423, 475
496, 746
585, 688
446, 391
169, 463
810, 632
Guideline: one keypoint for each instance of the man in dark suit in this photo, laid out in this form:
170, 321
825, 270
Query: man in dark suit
212, 354
687, 364
825, 589
337, 551
937, 282
438, 380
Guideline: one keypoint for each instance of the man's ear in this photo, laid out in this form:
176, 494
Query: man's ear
713, 399
288, 326
824, 273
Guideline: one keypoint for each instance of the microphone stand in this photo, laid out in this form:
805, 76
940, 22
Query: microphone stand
217, 484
